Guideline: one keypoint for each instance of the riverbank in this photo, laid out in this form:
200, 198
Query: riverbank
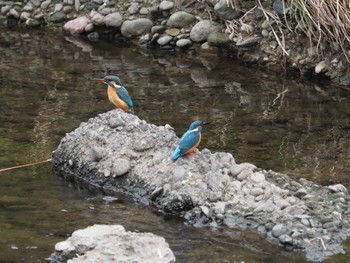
208, 190
248, 33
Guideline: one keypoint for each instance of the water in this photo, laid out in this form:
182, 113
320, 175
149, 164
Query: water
286, 124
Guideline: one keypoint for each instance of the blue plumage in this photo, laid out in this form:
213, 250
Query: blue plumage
115, 87
189, 140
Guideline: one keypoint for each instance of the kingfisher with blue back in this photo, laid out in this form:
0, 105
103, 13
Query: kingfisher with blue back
190, 140
117, 93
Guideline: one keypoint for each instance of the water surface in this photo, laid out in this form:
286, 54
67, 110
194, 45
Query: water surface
281, 123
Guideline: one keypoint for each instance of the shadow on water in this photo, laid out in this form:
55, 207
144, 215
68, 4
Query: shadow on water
288, 125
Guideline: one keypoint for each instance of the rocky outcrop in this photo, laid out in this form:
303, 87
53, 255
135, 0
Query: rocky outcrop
245, 32
111, 243
118, 152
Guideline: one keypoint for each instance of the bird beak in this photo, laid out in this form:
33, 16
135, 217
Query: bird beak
99, 80
205, 123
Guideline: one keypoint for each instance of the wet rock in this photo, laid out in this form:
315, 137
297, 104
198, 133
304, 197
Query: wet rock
76, 26
320, 67
218, 39
279, 230
202, 29
113, 20
210, 186
137, 27
166, 5
57, 17
162, 41
13, 12
183, 43
180, 19
121, 167
98, 19
224, 11
172, 32
93, 244
133, 8
158, 29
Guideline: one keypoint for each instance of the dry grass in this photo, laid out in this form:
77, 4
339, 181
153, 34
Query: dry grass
325, 22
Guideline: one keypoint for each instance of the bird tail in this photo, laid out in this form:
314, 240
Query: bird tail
132, 110
176, 154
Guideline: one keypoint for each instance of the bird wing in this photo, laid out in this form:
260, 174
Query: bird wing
188, 140
124, 96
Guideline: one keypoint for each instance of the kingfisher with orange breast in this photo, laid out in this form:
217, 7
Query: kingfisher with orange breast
117, 93
190, 140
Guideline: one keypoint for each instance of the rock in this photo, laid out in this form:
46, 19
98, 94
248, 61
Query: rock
206, 184
238, 168
278, 230
143, 11
180, 19
183, 43
224, 11
13, 12
5, 9
158, 29
202, 29
218, 39
244, 174
166, 5
172, 32
162, 41
285, 239
76, 26
58, 17
77, 5
25, 16
137, 27
257, 177
320, 67
338, 188
133, 8
121, 167
58, 7
35, 3
98, 19
113, 20
111, 243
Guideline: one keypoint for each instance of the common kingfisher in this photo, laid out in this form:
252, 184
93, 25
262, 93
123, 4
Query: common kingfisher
190, 140
117, 93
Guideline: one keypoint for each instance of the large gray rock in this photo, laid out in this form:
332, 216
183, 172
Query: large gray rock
202, 29
135, 28
181, 19
111, 243
210, 187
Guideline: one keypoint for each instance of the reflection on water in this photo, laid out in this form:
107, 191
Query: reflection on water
287, 125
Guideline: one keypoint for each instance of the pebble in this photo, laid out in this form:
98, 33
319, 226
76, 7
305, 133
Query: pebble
183, 43
164, 40
166, 5
121, 167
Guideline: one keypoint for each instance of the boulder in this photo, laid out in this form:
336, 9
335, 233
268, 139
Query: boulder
135, 28
181, 19
76, 26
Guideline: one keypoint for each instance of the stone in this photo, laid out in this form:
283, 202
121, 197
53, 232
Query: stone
121, 167
338, 188
183, 43
94, 244
164, 40
58, 17
133, 8
257, 177
135, 28
35, 3
58, 7
224, 11
218, 39
98, 19
28, 7
143, 11
25, 16
285, 239
320, 67
180, 19
166, 5
13, 12
5, 9
158, 29
77, 5
172, 32
202, 29
278, 230
76, 26
113, 20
